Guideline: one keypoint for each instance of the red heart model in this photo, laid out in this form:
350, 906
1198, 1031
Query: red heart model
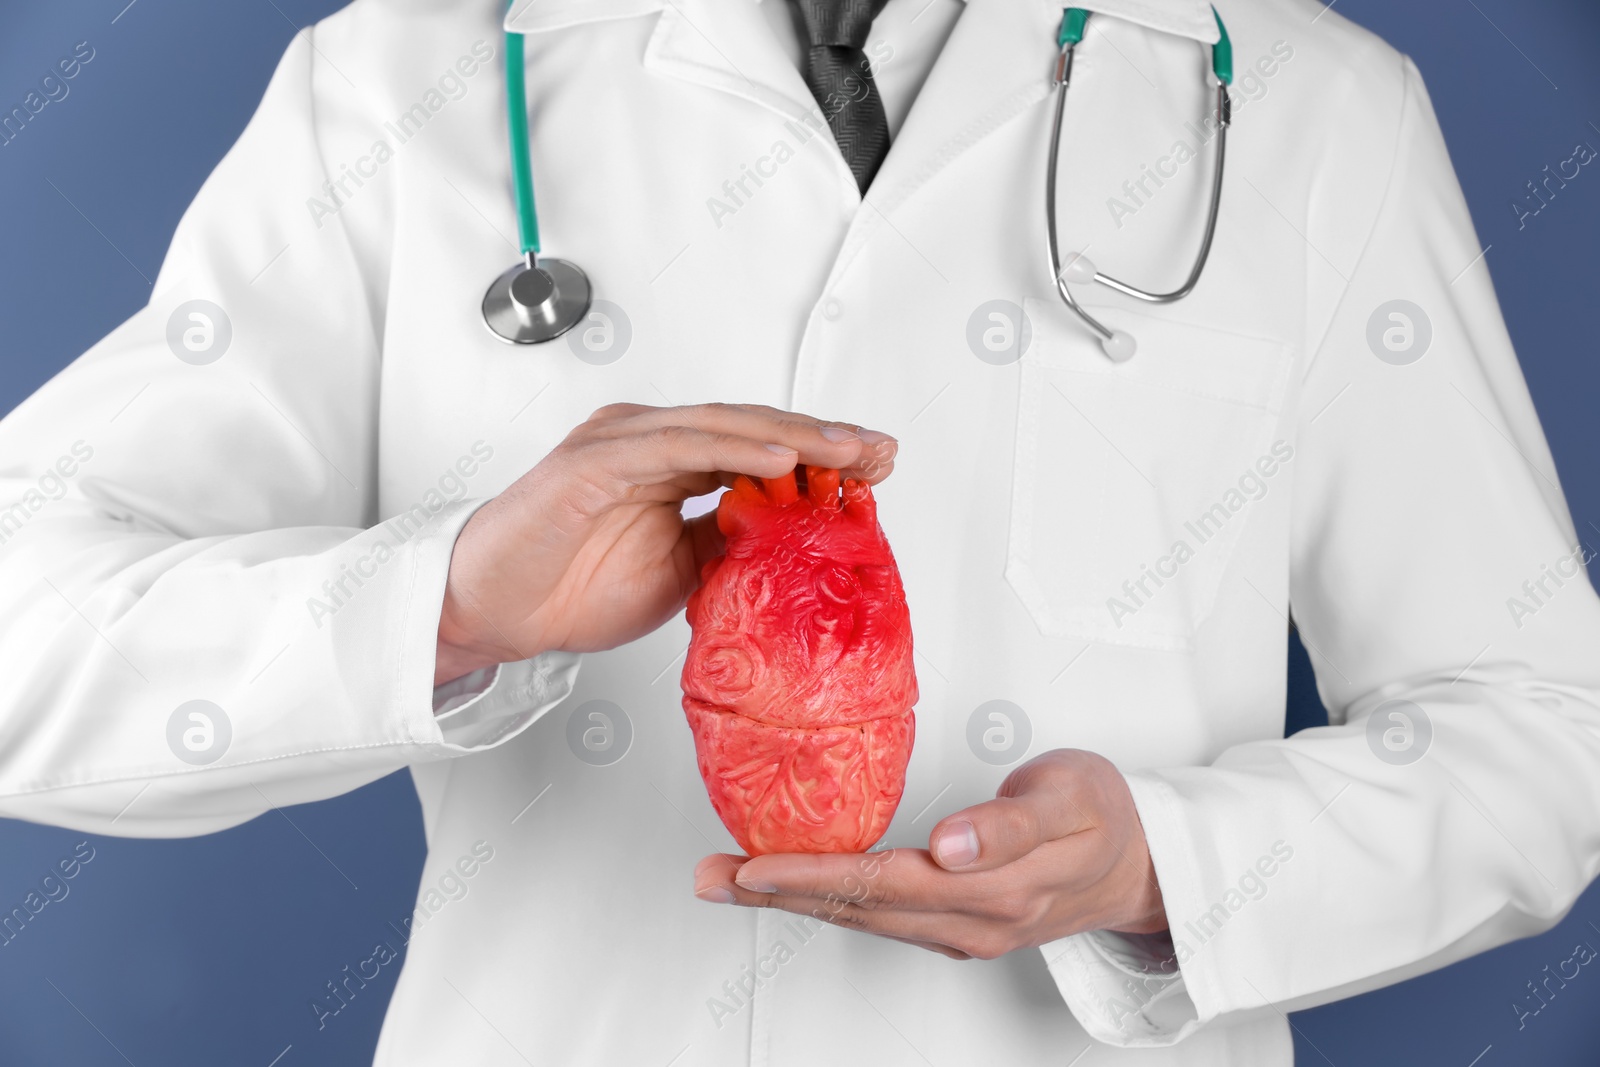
799, 682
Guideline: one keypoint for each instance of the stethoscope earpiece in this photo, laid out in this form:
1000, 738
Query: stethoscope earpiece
1078, 269
535, 301
1120, 346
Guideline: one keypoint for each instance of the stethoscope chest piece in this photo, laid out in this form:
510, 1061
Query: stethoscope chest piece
536, 300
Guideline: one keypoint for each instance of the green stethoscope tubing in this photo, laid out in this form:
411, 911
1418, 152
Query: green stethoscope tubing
521, 158
540, 297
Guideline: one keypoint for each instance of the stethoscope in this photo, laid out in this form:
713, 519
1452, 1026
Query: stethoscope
541, 298
1119, 345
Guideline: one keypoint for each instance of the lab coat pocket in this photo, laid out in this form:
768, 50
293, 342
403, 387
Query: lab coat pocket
1132, 482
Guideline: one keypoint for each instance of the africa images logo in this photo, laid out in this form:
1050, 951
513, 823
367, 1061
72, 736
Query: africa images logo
450, 85
53, 88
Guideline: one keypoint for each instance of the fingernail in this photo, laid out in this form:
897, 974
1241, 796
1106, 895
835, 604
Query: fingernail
838, 435
755, 885
782, 450
715, 895
877, 439
957, 845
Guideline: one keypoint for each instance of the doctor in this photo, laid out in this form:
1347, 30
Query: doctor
303, 521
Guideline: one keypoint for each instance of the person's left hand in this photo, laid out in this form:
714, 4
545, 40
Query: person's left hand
1059, 851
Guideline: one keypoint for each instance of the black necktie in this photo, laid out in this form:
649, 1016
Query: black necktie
838, 75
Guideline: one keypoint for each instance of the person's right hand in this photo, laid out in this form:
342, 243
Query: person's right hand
589, 549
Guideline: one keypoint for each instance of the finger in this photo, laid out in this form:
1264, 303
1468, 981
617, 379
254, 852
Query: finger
822, 442
931, 946
895, 878
706, 539
750, 420
620, 420
613, 413
957, 933
951, 934
1005, 829
877, 458
872, 472
682, 486
620, 465
713, 878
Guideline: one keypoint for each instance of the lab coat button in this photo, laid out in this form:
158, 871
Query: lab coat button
832, 309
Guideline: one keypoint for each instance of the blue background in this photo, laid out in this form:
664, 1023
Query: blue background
208, 951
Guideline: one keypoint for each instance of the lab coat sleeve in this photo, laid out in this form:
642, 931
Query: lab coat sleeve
1434, 564
176, 528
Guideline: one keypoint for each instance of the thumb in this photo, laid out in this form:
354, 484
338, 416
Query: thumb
1005, 829
705, 539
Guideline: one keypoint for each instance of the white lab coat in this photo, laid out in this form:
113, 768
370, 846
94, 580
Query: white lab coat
200, 550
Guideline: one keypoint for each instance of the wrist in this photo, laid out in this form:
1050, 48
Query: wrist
451, 662
1146, 913
458, 650
1143, 908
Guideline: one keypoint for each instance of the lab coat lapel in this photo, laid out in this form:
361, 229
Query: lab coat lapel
725, 45
994, 66
1182, 18
728, 46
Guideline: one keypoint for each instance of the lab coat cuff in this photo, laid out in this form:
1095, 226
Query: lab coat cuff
494, 704
460, 692
1132, 990
482, 709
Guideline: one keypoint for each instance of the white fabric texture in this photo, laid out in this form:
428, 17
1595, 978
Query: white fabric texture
217, 537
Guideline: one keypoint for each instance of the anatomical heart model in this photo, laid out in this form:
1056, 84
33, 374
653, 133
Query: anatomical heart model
799, 683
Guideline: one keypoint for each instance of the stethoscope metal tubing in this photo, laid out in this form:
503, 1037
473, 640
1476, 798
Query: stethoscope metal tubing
1224, 118
1062, 78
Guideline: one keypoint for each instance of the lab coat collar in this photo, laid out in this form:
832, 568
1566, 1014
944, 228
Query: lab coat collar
994, 67
1186, 18
726, 45
539, 16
